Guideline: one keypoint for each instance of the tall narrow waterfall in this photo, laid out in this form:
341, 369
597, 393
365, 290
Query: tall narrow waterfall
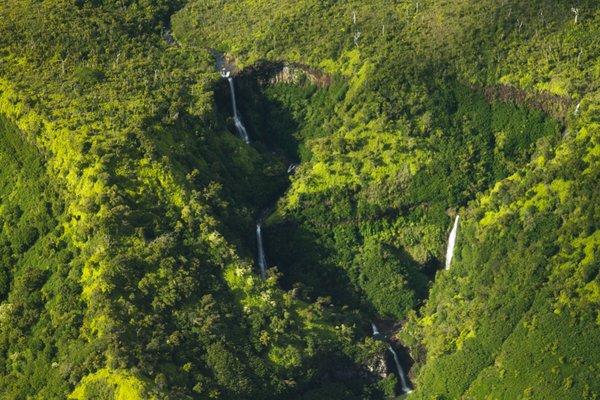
239, 126
451, 243
405, 388
262, 260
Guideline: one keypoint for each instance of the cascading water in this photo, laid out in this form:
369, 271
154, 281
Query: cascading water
239, 126
451, 243
241, 129
375, 330
405, 388
262, 260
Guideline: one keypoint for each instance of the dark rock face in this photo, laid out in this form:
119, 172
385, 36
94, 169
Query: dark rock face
552, 104
273, 72
294, 73
374, 369
270, 73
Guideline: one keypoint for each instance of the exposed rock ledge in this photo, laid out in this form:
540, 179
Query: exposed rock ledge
270, 73
377, 366
283, 72
552, 104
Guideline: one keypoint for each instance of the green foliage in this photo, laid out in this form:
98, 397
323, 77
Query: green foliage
128, 205
106, 385
40, 313
122, 275
410, 140
508, 322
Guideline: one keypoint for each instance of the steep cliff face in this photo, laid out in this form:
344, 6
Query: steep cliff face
378, 366
294, 74
272, 73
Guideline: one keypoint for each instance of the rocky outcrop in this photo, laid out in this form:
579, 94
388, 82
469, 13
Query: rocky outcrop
378, 366
295, 73
552, 104
373, 369
273, 72
270, 73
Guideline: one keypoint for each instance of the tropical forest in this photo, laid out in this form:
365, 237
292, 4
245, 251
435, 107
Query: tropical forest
300, 199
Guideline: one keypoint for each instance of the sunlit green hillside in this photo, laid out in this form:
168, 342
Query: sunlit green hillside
129, 203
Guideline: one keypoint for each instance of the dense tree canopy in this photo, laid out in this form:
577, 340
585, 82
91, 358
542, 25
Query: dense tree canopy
128, 204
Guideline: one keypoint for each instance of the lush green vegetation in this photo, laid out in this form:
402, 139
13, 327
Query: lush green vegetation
41, 309
410, 140
127, 203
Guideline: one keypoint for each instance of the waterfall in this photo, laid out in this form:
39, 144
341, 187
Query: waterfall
451, 243
239, 126
375, 330
262, 260
405, 388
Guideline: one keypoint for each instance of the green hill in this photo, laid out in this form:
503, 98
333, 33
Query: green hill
128, 204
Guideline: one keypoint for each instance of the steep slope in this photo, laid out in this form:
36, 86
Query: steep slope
381, 171
128, 204
158, 201
516, 315
41, 310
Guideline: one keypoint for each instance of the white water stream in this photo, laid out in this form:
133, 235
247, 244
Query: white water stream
451, 243
262, 259
243, 133
239, 125
375, 330
405, 388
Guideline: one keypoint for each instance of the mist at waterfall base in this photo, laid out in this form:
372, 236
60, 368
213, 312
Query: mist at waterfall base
400, 371
451, 243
